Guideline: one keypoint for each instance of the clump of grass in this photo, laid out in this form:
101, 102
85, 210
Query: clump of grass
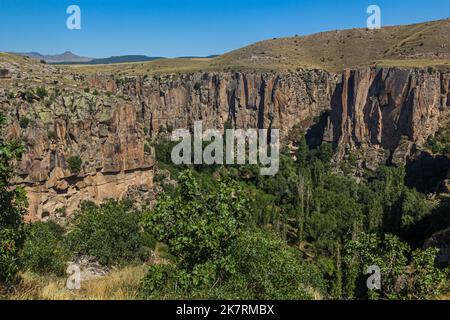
29, 96
74, 163
24, 122
41, 92
120, 284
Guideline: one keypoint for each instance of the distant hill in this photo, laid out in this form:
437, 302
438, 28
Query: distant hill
66, 57
337, 50
121, 59
199, 57
416, 45
71, 58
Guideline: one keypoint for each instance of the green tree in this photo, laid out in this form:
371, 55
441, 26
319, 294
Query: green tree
413, 208
405, 274
217, 256
265, 267
43, 251
302, 152
198, 226
109, 232
13, 205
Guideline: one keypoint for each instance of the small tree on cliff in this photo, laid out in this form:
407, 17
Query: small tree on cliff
12, 209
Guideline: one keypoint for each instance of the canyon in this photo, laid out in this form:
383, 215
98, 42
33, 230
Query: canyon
108, 121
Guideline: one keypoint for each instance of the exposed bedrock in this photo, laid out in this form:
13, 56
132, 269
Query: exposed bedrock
248, 100
376, 110
90, 151
381, 114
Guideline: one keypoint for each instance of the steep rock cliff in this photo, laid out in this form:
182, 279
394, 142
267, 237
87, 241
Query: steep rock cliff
386, 114
79, 145
249, 100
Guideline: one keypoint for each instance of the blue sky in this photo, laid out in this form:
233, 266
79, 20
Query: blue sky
173, 28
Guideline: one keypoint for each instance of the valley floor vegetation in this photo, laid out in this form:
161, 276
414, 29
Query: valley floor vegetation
225, 232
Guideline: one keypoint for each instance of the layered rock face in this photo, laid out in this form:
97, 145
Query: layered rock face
376, 110
108, 123
112, 151
248, 100
101, 133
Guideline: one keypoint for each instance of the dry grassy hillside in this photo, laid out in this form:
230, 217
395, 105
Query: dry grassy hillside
424, 44
336, 50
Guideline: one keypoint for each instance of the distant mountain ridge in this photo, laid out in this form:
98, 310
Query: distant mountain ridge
56, 58
117, 59
71, 58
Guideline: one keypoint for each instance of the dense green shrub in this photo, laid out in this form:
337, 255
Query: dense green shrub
198, 226
265, 267
216, 258
43, 251
172, 281
163, 151
29, 96
163, 282
440, 143
109, 232
259, 265
405, 273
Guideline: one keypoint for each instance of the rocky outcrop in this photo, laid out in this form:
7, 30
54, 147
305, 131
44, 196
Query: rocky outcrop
100, 132
376, 109
5, 74
107, 123
89, 268
440, 240
248, 100
97, 81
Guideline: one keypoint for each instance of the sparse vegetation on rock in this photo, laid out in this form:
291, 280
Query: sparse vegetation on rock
41, 92
74, 164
